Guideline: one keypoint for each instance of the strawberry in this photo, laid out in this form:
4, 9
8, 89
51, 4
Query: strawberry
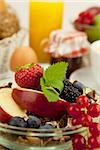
28, 76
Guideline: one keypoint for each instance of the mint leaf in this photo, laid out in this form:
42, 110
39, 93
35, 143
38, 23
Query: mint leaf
42, 81
57, 84
56, 71
51, 95
52, 81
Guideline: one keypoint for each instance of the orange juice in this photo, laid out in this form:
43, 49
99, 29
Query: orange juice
45, 16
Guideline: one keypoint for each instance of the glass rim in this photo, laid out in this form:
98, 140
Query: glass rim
41, 132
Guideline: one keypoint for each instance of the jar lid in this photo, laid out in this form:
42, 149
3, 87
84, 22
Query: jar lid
67, 44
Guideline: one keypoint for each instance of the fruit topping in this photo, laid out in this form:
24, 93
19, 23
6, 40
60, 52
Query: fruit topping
8, 107
59, 104
94, 142
82, 101
47, 103
74, 110
69, 92
86, 120
94, 110
79, 86
33, 122
52, 80
36, 102
94, 129
28, 76
18, 122
79, 142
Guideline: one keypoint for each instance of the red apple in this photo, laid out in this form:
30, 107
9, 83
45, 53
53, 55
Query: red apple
36, 103
8, 107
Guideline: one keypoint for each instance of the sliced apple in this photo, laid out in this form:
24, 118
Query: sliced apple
36, 103
8, 107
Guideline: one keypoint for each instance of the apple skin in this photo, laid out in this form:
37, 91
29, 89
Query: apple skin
4, 117
36, 103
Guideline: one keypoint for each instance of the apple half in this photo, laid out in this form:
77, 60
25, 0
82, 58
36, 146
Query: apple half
8, 107
36, 103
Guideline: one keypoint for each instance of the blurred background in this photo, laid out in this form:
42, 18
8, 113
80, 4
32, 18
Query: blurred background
71, 9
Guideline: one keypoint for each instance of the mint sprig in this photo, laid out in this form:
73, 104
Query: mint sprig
52, 81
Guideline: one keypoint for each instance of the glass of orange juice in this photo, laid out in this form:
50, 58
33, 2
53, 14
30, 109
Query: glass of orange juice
45, 16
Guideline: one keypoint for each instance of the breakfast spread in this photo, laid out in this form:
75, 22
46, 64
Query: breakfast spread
42, 109
71, 47
48, 102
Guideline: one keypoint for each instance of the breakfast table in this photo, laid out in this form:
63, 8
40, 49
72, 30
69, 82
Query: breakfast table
49, 75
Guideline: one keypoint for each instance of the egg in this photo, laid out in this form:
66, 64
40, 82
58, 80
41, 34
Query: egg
21, 56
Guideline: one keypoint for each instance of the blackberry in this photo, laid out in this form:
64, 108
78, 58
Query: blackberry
69, 93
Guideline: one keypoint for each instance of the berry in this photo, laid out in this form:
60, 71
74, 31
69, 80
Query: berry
28, 76
76, 121
94, 129
94, 110
46, 126
18, 122
69, 93
79, 142
79, 86
74, 110
86, 120
86, 18
33, 122
94, 141
82, 101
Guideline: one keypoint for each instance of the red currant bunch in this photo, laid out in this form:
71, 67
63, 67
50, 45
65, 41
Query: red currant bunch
83, 112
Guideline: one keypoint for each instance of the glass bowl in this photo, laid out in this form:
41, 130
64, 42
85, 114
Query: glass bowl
16, 138
93, 32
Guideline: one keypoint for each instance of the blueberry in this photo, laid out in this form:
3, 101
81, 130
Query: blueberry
33, 122
79, 86
18, 122
46, 126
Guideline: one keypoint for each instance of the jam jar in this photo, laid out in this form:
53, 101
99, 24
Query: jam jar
71, 47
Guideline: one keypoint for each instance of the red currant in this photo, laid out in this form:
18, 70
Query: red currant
94, 110
94, 141
74, 110
94, 129
82, 101
76, 121
79, 142
85, 120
